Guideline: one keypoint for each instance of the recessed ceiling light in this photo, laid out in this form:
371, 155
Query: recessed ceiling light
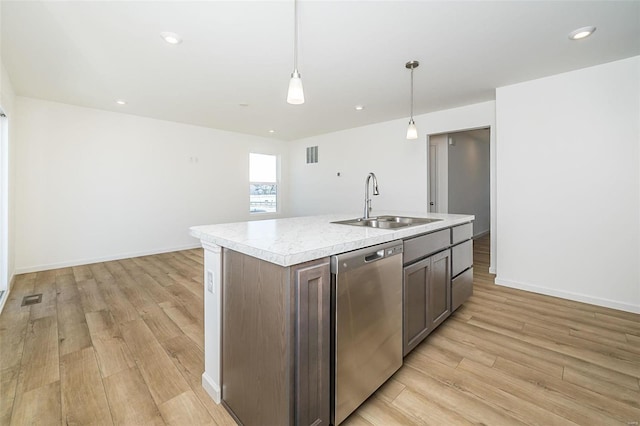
272, 131
121, 102
359, 107
171, 38
243, 105
581, 33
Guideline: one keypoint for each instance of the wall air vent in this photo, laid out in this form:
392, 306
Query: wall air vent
312, 154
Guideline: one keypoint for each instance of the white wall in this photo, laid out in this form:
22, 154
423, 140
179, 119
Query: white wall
94, 185
468, 177
6, 91
381, 148
7, 170
569, 185
399, 164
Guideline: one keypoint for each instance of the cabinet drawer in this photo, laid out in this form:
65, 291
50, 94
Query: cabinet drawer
461, 232
462, 257
424, 245
461, 289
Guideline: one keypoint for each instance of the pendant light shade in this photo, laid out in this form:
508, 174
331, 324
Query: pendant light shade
412, 130
295, 95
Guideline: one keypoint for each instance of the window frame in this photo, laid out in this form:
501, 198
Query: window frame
277, 184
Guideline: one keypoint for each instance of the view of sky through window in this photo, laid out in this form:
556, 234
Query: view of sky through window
263, 183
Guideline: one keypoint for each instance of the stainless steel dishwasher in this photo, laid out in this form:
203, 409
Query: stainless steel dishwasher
367, 324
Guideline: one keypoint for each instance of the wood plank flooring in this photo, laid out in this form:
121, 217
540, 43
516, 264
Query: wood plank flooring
111, 343
509, 357
121, 343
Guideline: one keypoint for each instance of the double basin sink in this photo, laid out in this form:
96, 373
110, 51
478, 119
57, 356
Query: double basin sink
388, 222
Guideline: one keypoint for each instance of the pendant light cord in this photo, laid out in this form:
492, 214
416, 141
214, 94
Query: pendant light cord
412, 94
295, 94
295, 35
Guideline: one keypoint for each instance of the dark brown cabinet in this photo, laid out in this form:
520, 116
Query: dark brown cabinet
440, 289
438, 278
312, 285
461, 264
427, 297
276, 341
276, 324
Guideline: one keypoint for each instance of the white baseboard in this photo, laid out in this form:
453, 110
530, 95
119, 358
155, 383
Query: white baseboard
5, 295
607, 303
492, 270
46, 267
211, 388
3, 299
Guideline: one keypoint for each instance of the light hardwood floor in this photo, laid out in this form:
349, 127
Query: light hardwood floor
121, 343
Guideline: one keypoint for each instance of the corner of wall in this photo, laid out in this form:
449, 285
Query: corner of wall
7, 98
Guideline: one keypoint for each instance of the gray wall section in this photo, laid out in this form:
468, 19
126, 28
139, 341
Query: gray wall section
469, 177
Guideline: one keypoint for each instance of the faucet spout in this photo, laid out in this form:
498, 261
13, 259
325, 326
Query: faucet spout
367, 199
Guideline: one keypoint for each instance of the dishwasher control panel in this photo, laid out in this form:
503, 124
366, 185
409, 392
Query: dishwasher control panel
357, 258
394, 250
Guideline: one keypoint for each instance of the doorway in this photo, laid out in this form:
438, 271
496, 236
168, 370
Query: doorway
4, 214
460, 176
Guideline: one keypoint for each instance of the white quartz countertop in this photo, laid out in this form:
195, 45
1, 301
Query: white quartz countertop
296, 240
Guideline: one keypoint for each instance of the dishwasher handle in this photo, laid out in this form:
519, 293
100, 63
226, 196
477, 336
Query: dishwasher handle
374, 256
357, 258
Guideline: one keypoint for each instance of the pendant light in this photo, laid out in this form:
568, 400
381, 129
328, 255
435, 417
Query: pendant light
412, 131
295, 95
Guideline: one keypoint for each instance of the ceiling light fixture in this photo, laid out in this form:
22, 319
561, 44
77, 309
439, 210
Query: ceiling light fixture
171, 38
295, 95
359, 107
581, 33
272, 131
412, 131
121, 102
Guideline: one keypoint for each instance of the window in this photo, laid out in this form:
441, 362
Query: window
263, 183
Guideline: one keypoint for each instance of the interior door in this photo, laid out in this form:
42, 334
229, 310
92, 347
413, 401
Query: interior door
438, 174
433, 177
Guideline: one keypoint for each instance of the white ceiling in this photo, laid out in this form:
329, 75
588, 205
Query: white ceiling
90, 53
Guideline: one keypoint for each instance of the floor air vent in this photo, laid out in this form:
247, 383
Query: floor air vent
32, 299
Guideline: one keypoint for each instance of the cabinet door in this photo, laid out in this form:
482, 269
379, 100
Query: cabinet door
256, 345
416, 300
440, 288
313, 300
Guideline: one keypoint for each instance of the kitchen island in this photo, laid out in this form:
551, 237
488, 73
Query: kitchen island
274, 276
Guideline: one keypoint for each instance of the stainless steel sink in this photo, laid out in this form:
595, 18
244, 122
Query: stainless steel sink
387, 222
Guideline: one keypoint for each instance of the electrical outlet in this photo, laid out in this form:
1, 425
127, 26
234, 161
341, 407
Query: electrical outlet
210, 281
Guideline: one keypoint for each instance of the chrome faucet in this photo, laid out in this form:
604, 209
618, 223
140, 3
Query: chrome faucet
367, 199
